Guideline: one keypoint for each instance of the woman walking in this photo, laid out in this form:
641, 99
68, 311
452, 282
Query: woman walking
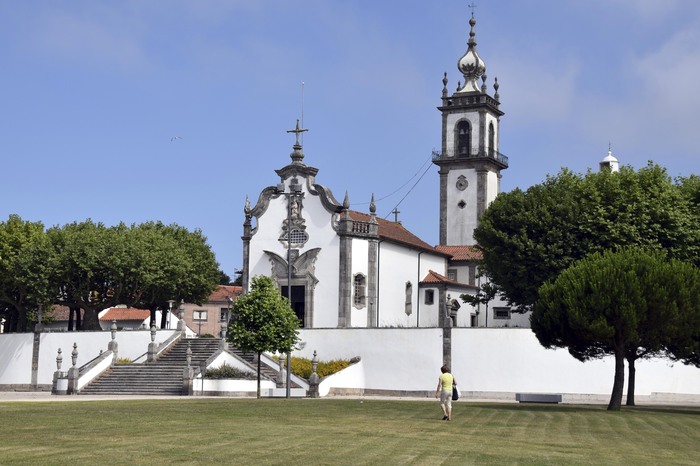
444, 392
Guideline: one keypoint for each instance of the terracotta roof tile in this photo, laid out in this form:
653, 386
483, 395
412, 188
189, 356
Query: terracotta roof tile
220, 294
462, 253
435, 278
125, 313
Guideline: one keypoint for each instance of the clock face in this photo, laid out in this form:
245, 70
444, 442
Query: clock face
462, 183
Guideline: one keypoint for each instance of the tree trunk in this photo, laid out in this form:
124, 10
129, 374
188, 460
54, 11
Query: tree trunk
164, 318
259, 353
630, 381
152, 320
71, 314
618, 385
90, 320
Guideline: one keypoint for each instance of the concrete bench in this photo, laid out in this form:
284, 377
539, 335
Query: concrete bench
538, 397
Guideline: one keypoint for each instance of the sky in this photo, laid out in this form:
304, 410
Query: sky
175, 110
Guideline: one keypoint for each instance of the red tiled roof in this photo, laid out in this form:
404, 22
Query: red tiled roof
222, 293
59, 312
125, 313
395, 232
435, 278
462, 253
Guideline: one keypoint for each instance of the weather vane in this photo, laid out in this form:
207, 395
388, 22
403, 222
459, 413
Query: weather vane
472, 5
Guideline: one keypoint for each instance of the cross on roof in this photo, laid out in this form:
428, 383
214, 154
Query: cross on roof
396, 213
472, 5
297, 131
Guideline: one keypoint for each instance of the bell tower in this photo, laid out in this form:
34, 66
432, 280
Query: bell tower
470, 163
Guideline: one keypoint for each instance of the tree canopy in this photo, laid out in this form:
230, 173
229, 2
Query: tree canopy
89, 266
631, 303
529, 237
263, 321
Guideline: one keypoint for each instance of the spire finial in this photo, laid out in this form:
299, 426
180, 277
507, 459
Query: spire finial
471, 65
472, 5
346, 202
372, 206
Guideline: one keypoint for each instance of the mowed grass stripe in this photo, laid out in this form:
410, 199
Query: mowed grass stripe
342, 431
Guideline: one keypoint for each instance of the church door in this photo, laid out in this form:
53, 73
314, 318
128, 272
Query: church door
298, 301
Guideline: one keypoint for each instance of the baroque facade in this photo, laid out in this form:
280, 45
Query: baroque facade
342, 268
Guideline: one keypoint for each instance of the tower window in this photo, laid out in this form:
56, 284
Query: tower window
492, 141
464, 139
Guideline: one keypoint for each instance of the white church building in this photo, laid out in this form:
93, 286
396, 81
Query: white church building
353, 269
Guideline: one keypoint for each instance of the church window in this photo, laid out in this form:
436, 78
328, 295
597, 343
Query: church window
501, 313
359, 294
492, 143
298, 236
409, 299
464, 139
461, 204
452, 274
429, 296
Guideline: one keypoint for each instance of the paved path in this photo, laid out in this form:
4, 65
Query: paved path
42, 396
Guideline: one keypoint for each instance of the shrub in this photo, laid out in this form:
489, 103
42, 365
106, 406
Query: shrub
123, 361
302, 367
229, 372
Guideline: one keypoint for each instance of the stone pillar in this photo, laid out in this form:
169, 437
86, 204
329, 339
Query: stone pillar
113, 346
188, 374
58, 375
314, 379
152, 346
281, 375
73, 372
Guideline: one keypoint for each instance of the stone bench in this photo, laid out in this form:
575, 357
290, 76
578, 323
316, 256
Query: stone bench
538, 397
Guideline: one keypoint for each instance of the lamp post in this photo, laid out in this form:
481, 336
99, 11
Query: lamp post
294, 191
170, 310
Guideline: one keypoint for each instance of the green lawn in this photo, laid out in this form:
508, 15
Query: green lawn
341, 431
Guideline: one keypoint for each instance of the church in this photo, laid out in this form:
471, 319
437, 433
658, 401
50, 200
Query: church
342, 268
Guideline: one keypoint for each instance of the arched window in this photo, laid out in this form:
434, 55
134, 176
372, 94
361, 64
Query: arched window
492, 141
359, 292
464, 139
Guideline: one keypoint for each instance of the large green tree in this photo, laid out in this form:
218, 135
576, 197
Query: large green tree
264, 321
23, 284
629, 303
168, 262
529, 237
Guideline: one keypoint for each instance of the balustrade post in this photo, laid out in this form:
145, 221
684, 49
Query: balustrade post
314, 379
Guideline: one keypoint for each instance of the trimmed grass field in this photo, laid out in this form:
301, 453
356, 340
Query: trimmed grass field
341, 431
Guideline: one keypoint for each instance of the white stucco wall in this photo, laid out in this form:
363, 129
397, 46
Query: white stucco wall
486, 360
397, 266
16, 358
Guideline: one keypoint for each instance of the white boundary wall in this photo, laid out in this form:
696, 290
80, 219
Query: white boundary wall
487, 362
16, 351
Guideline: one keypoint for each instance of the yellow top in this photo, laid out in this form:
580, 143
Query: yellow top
446, 380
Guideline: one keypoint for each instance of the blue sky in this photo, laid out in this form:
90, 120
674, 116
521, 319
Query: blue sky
93, 93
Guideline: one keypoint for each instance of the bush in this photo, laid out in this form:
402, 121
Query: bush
123, 361
229, 372
302, 367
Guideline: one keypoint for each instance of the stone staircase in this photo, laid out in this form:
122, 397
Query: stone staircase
163, 377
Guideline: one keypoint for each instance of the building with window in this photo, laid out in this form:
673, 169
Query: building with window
212, 317
343, 268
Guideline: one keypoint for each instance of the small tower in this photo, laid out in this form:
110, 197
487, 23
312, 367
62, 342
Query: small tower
470, 163
610, 162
